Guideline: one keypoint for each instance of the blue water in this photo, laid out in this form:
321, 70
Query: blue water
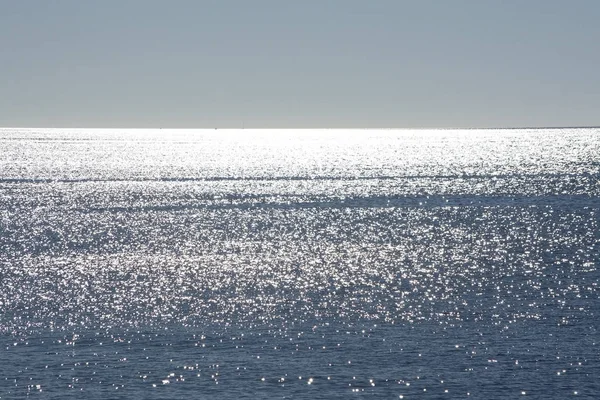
163, 264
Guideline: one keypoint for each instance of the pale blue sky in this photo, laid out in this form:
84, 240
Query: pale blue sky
298, 64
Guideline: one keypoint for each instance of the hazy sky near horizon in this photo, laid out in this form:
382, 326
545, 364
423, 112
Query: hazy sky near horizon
299, 64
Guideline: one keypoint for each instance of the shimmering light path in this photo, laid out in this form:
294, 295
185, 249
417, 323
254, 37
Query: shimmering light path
299, 264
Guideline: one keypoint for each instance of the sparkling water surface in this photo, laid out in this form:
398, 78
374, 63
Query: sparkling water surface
171, 264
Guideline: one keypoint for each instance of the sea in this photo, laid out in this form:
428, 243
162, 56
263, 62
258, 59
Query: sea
299, 264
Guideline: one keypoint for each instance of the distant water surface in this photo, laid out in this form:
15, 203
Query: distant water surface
169, 264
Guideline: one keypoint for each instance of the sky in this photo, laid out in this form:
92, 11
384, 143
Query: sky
299, 64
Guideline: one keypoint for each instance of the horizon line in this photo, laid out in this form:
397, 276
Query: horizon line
314, 128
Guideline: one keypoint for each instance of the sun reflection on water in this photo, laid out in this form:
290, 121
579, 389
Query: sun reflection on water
400, 263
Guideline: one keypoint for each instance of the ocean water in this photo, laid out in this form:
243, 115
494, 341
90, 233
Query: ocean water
178, 264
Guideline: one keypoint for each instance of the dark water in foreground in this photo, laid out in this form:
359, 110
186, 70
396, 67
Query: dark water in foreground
299, 264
